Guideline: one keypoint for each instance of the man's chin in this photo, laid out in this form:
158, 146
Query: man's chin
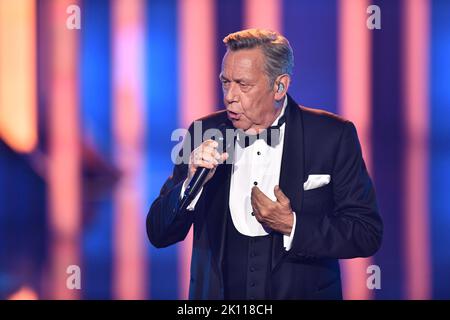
238, 124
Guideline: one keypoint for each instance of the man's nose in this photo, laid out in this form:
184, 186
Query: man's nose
231, 93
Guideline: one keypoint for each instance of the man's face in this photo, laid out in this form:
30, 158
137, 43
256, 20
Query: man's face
249, 100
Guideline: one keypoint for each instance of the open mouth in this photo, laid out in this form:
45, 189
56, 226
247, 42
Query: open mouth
233, 115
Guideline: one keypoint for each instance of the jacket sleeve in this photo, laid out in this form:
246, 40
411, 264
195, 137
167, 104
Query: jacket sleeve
352, 226
165, 225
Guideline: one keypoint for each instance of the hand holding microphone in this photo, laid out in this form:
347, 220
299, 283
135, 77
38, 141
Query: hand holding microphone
206, 156
203, 162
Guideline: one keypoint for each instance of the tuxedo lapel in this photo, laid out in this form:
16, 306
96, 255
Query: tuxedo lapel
292, 170
216, 216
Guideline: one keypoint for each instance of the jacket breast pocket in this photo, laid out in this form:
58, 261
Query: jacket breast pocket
318, 201
324, 192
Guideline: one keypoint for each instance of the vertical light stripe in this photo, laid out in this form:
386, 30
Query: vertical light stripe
264, 14
128, 38
18, 123
416, 35
354, 104
198, 83
64, 166
197, 59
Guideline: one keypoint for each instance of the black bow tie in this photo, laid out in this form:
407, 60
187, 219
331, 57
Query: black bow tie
270, 135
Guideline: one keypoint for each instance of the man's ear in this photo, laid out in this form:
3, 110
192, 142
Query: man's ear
281, 86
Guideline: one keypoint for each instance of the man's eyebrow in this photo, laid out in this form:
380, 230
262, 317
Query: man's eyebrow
240, 80
243, 80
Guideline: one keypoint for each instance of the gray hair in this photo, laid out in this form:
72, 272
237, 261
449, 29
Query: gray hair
276, 48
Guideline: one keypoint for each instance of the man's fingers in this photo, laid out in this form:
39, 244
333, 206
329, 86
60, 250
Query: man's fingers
253, 196
210, 143
256, 208
260, 198
215, 157
255, 191
210, 147
209, 158
281, 197
259, 201
253, 199
205, 156
223, 157
259, 195
205, 164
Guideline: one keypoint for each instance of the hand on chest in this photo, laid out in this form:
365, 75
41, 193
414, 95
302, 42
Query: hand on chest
259, 166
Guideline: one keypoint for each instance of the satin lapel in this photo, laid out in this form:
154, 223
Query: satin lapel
216, 216
292, 170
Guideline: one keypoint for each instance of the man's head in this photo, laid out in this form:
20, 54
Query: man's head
256, 72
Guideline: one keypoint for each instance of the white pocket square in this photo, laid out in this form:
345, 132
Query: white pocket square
316, 181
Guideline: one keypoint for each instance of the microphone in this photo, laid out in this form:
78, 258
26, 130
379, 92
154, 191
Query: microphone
198, 179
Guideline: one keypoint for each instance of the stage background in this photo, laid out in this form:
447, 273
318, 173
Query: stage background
86, 117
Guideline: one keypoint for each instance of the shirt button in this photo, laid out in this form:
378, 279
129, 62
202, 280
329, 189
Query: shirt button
252, 269
255, 183
258, 153
252, 284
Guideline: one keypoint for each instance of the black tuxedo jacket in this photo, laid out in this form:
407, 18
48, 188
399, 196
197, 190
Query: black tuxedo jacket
336, 221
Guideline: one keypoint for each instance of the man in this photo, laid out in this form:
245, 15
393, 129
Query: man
273, 222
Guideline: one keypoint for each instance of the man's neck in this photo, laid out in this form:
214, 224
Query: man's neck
280, 108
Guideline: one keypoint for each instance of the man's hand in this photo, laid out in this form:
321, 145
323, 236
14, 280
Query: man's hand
207, 156
276, 215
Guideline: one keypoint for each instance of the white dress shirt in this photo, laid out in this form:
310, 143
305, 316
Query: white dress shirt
261, 164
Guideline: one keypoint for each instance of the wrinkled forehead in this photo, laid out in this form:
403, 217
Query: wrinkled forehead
241, 62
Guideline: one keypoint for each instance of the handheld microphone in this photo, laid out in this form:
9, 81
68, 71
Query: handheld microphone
198, 179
